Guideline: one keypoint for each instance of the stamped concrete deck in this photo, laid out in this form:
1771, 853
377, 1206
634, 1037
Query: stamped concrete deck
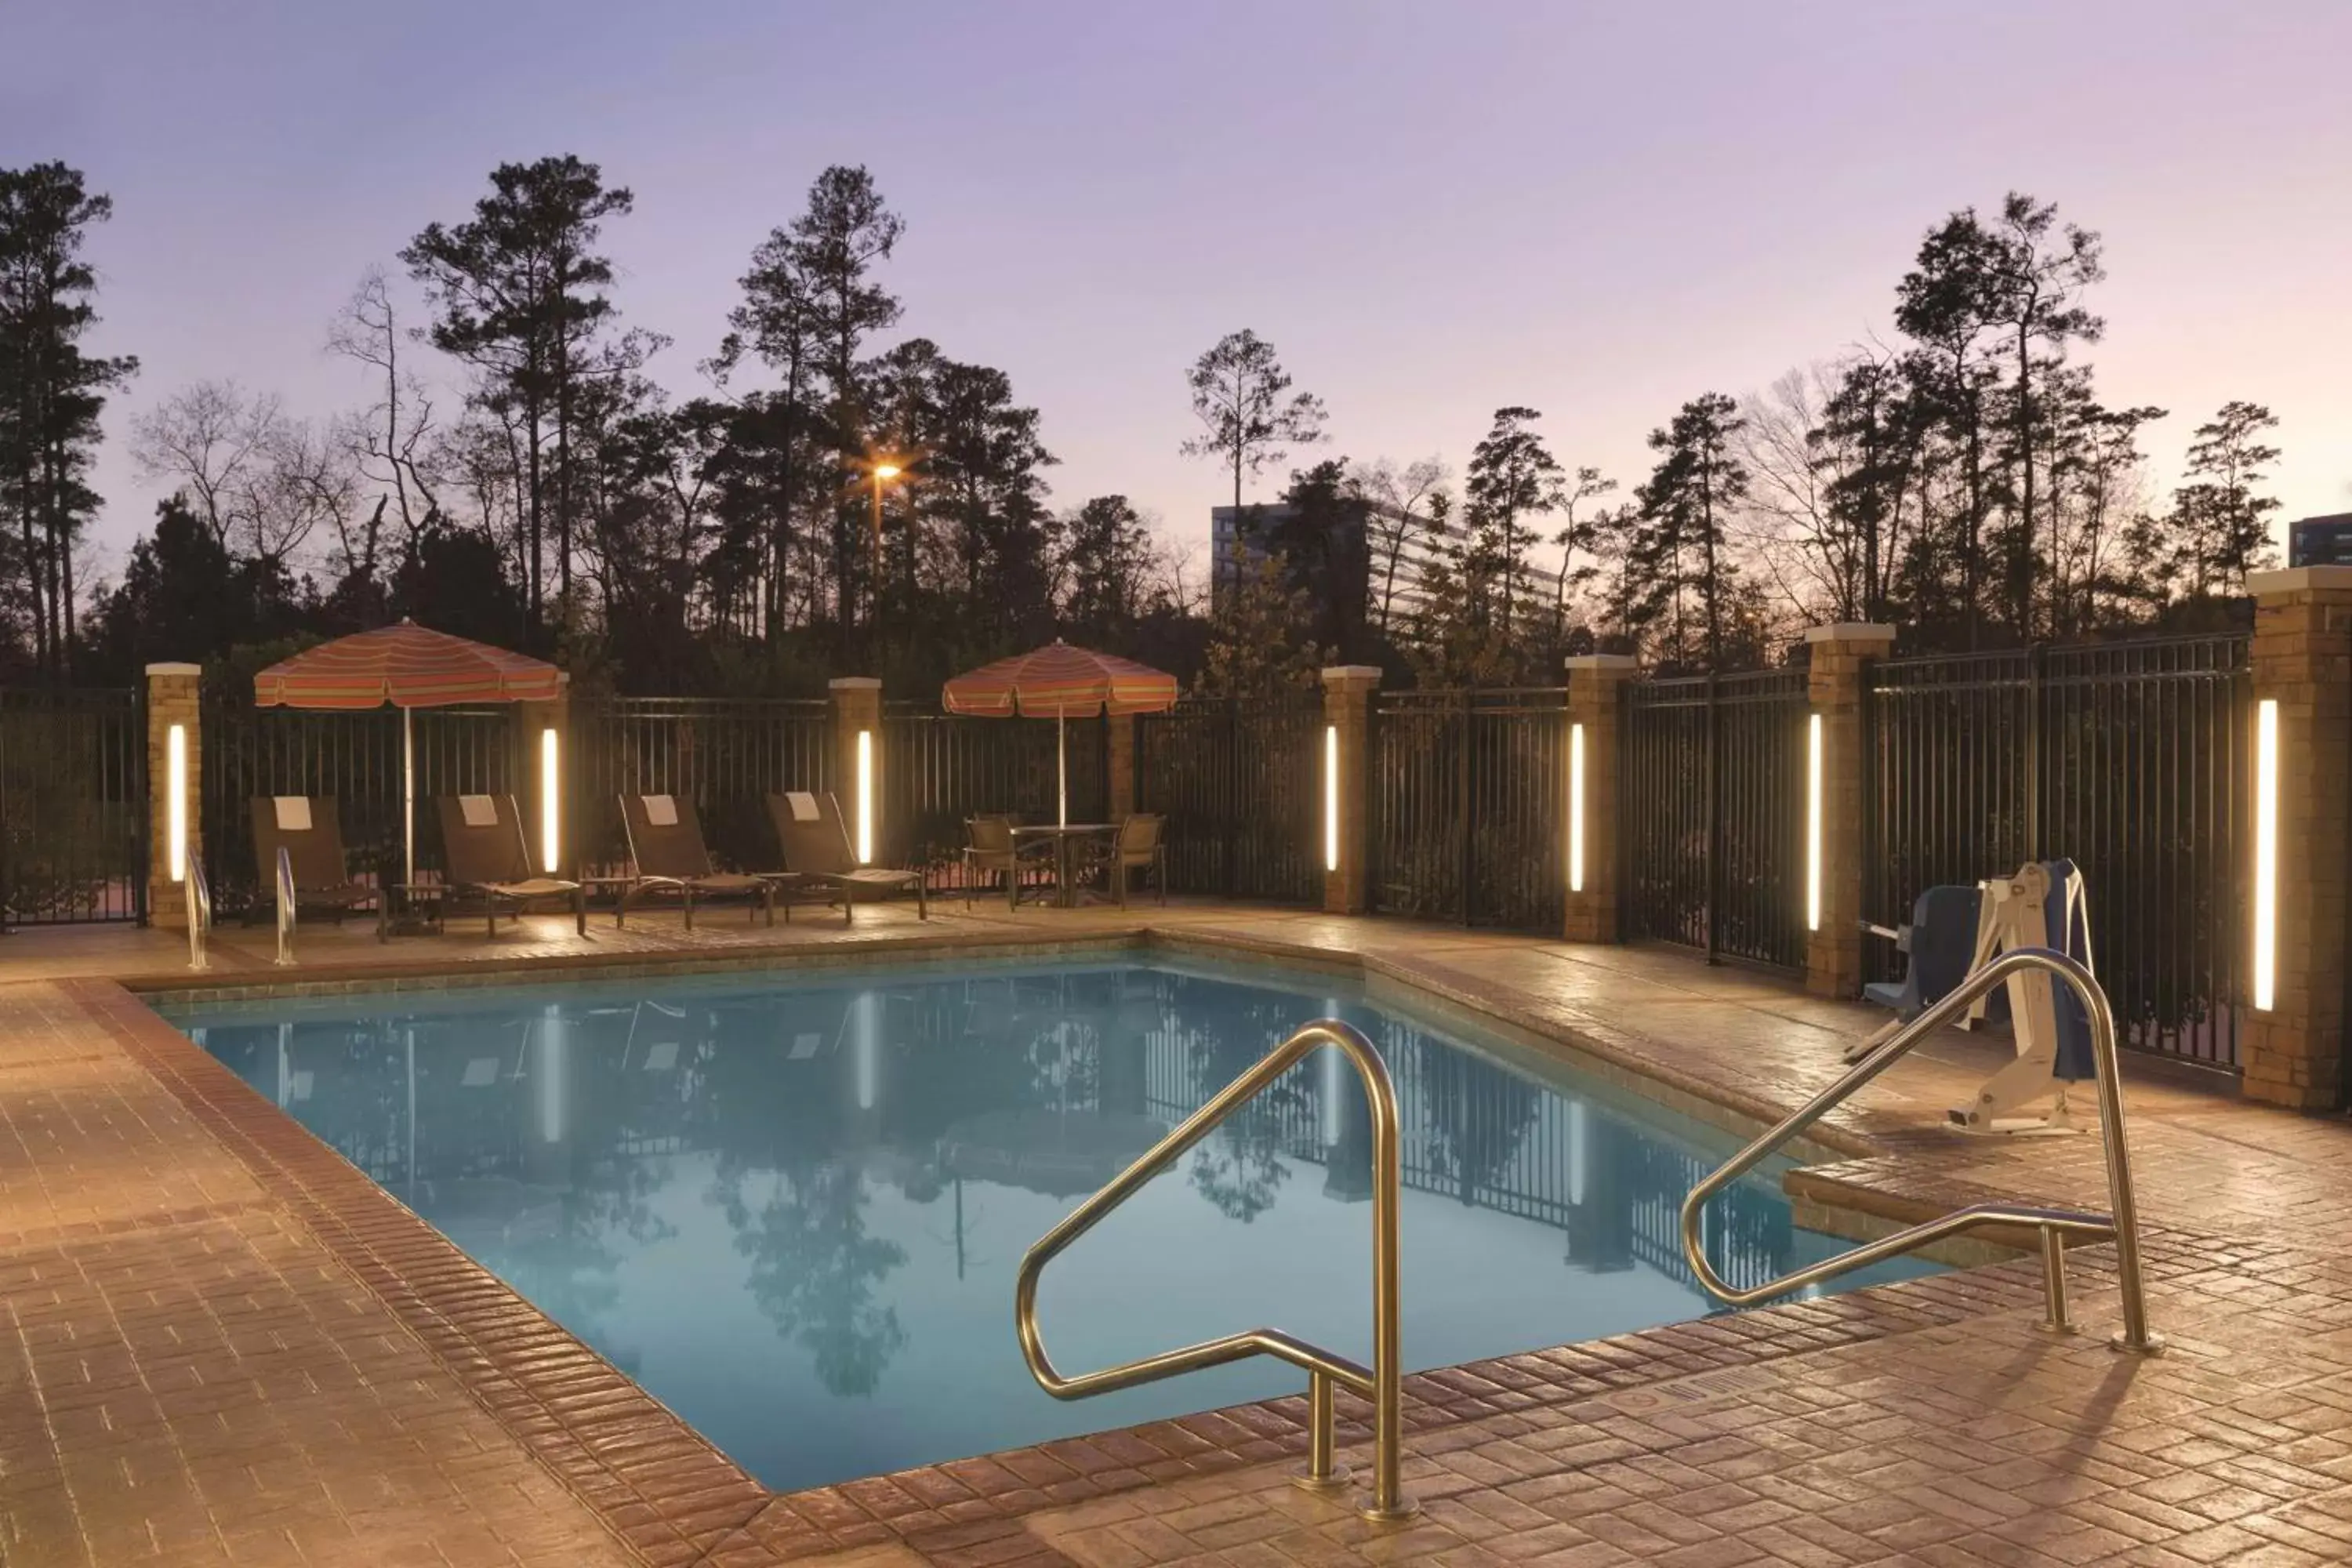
219, 1343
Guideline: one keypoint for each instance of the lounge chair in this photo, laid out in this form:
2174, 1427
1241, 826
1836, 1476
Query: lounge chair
486, 856
1136, 847
815, 844
310, 832
992, 850
666, 845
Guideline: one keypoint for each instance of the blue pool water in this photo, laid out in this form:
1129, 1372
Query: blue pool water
791, 1208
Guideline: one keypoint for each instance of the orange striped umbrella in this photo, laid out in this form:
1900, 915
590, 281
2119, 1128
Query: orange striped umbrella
1060, 682
407, 666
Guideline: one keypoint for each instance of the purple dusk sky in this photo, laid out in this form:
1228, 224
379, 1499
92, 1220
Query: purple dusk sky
1432, 210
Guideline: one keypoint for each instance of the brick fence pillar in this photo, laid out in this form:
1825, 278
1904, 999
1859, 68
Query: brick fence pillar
1834, 689
174, 701
1346, 842
1118, 740
1596, 717
857, 711
2292, 1049
536, 721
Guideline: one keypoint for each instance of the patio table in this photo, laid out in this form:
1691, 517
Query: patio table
1064, 834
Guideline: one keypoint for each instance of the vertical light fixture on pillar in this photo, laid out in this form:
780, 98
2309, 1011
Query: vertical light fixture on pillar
1814, 763
550, 815
1576, 808
2266, 857
1330, 797
176, 774
865, 796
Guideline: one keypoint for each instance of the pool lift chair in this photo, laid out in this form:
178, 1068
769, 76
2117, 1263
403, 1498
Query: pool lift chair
1957, 930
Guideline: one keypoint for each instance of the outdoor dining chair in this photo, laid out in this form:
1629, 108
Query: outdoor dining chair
486, 856
815, 844
309, 829
992, 850
666, 848
1137, 846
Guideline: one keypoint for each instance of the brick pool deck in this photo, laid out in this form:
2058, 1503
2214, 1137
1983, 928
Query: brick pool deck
220, 1343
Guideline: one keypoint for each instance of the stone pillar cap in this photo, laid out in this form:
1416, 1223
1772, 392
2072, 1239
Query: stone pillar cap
1624, 661
175, 669
1851, 631
2298, 579
855, 683
1339, 674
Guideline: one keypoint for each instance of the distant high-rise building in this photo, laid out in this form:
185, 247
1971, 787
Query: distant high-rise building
2320, 541
1396, 547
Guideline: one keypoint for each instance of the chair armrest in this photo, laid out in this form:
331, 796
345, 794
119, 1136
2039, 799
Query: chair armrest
1900, 938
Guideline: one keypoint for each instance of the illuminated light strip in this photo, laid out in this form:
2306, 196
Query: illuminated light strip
1576, 808
2266, 853
551, 818
865, 796
175, 784
1330, 797
1813, 763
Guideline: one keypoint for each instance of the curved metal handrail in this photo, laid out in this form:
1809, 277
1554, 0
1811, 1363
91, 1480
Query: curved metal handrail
2122, 1226
287, 897
199, 895
1383, 1383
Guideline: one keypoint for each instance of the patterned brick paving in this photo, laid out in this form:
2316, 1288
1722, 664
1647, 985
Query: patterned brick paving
220, 1343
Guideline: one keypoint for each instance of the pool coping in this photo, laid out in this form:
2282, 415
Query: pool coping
676, 1499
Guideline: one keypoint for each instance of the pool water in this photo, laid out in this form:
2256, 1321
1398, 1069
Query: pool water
793, 1207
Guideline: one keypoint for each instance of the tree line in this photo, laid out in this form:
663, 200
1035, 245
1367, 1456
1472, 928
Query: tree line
837, 494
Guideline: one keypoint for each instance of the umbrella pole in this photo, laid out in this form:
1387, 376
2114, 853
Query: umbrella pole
1061, 761
408, 797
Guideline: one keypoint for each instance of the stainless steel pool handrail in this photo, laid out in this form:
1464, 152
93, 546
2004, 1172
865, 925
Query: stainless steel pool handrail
1382, 1384
199, 896
2121, 1226
287, 897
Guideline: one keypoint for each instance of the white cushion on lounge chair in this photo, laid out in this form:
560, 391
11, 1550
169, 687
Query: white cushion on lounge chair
661, 811
293, 812
803, 804
479, 810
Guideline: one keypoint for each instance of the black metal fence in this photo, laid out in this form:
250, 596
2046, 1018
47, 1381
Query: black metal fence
354, 757
1711, 790
1241, 786
941, 768
725, 755
1466, 803
73, 799
2131, 758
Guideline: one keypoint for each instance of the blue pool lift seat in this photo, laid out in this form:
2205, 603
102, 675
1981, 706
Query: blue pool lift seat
1941, 941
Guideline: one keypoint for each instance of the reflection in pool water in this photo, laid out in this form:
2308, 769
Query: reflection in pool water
792, 1209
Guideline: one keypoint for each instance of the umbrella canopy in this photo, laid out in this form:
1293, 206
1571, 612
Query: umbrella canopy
1059, 681
407, 666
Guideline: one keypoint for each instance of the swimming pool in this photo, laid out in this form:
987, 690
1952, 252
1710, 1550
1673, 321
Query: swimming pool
792, 1206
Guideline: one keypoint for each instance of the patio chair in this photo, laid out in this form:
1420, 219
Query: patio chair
309, 829
815, 845
666, 846
486, 856
1137, 846
993, 850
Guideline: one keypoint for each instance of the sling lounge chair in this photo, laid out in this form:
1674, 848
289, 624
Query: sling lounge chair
666, 845
486, 858
815, 843
310, 832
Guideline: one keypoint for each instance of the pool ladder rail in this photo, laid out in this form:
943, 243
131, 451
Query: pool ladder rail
287, 900
1381, 1383
2121, 1224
